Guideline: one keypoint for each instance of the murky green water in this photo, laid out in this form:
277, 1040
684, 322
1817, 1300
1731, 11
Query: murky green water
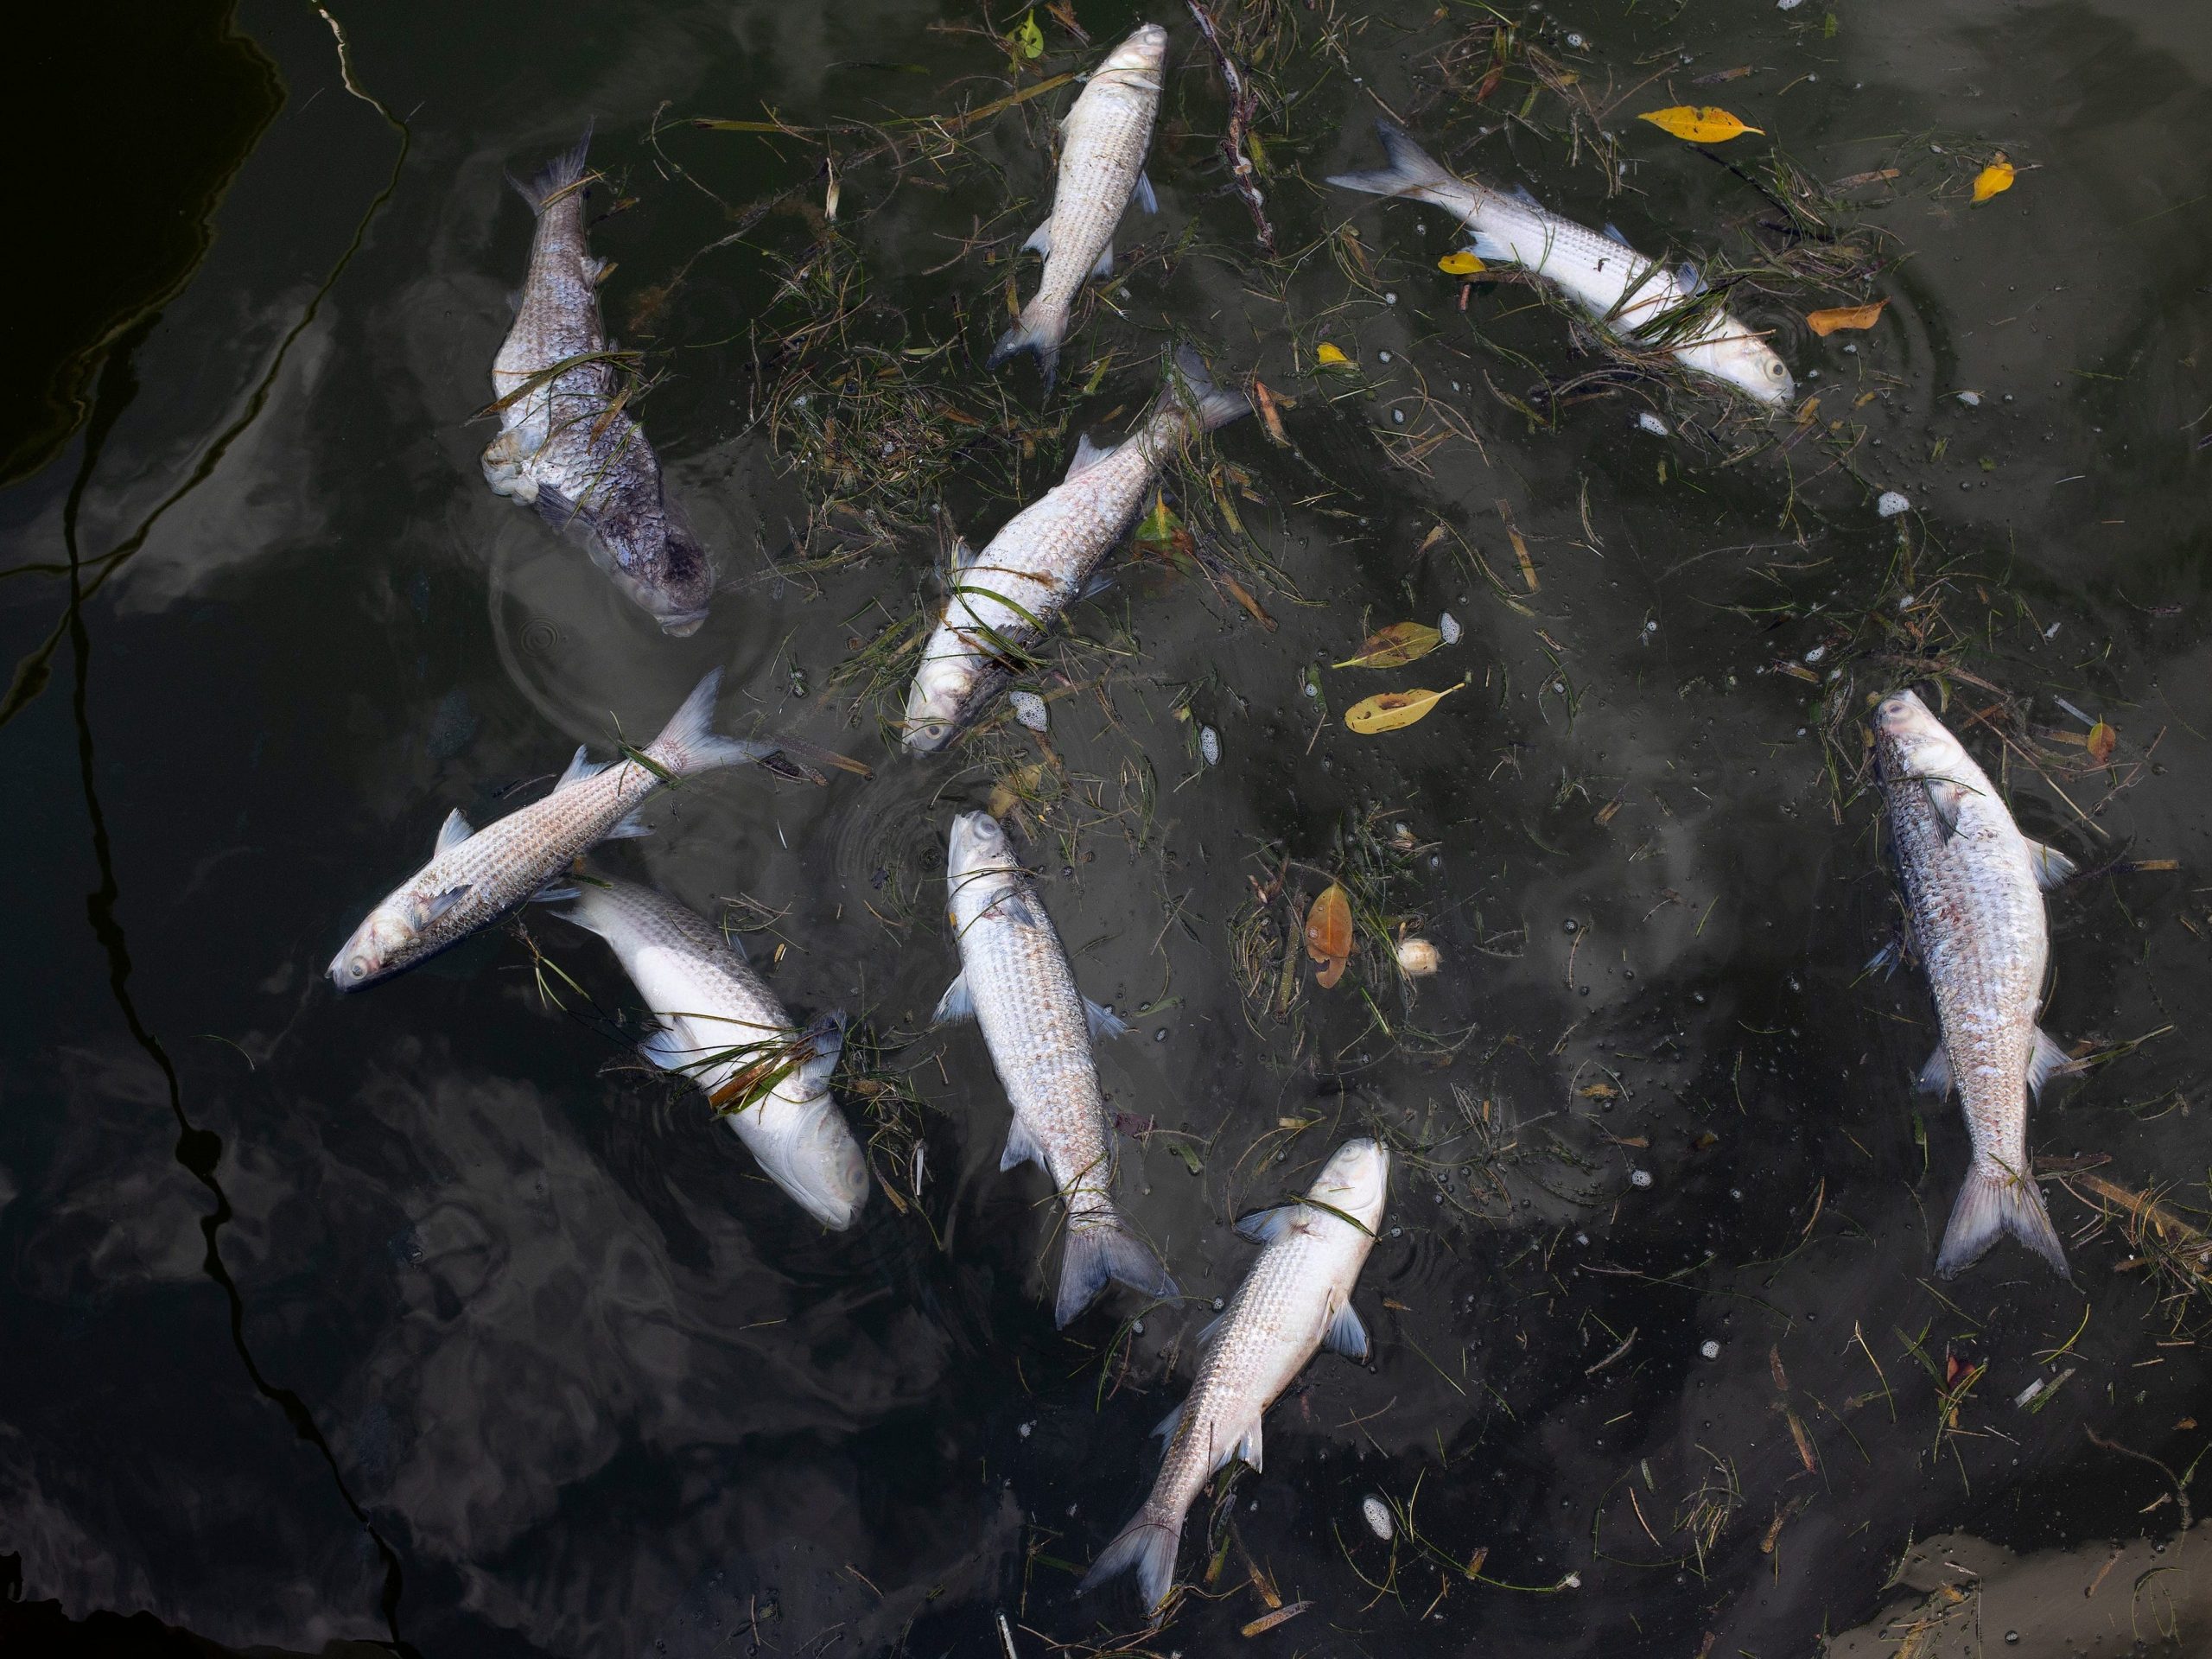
425, 1319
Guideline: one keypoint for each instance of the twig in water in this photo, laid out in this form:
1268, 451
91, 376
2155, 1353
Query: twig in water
1243, 103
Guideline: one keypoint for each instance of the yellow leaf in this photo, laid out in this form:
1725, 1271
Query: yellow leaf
1029, 40
1706, 124
2102, 741
1388, 710
1462, 263
1395, 646
1330, 358
1849, 316
1993, 179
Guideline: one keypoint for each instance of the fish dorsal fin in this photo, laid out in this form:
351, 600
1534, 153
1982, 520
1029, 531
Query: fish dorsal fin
957, 1002
1265, 1226
1944, 796
1521, 193
1040, 239
2052, 868
1021, 1148
1346, 1334
1210, 1329
1613, 234
1104, 266
2048, 1061
1088, 455
1935, 1077
666, 1048
451, 834
1146, 197
1104, 1022
1165, 1427
579, 769
633, 827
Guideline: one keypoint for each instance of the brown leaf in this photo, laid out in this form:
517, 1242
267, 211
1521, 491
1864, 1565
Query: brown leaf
1328, 925
1266, 1622
1849, 316
1395, 646
1268, 416
2102, 741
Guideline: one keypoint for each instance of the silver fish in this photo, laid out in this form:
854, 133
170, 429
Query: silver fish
1973, 888
1005, 598
1296, 1298
1629, 295
1015, 981
566, 445
476, 876
719, 1023
1102, 142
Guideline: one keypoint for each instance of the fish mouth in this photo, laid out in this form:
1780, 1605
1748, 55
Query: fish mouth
682, 625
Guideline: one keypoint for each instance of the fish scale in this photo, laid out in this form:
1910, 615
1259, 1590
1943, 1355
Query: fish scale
1974, 894
1296, 1297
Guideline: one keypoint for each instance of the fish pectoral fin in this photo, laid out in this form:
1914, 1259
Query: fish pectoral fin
1613, 234
454, 830
1040, 239
1165, 1427
1691, 278
1935, 1077
2048, 1061
1103, 266
555, 507
632, 828
1944, 797
1210, 1330
1145, 196
1104, 1022
1021, 1148
1018, 908
2052, 868
1248, 1447
1346, 1334
666, 1049
825, 1041
1494, 249
1265, 1226
430, 909
1521, 193
957, 1002
555, 893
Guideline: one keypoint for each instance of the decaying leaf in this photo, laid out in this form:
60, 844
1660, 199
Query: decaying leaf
1993, 179
1270, 412
1388, 710
1703, 124
2102, 741
1395, 646
1331, 357
1266, 1622
1848, 316
1461, 264
1029, 40
1328, 925
1161, 530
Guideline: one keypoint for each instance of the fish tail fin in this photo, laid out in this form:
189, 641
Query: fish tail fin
689, 743
557, 175
1190, 388
1102, 1247
1993, 1202
1147, 1544
1040, 330
1411, 170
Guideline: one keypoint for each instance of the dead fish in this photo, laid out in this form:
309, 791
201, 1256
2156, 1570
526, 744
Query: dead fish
1296, 1298
1005, 598
1974, 894
566, 444
477, 876
1633, 296
1103, 142
1015, 981
721, 1026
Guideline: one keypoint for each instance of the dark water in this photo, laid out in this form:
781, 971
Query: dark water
419, 1318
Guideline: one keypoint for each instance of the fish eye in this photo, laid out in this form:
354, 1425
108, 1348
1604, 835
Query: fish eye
356, 968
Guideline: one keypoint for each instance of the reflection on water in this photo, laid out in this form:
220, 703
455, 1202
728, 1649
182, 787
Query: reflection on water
433, 1316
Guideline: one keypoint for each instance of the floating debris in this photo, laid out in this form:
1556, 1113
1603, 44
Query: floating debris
1447, 628
1029, 709
1209, 745
1892, 503
1377, 1515
1652, 424
1417, 958
1709, 1348
1639, 1178
1971, 399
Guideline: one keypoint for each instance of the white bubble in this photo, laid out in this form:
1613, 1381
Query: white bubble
1378, 1518
1709, 1348
1892, 503
1209, 745
1029, 709
1652, 424
1448, 626
1639, 1178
